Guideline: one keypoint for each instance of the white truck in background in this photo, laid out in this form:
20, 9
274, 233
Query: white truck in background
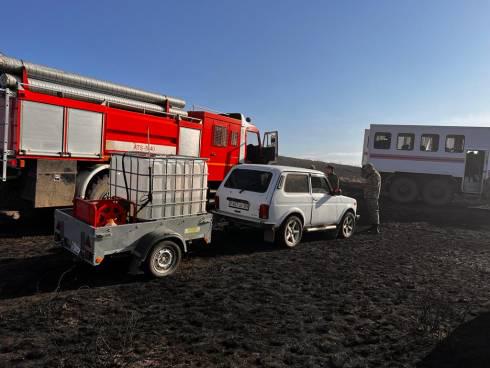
431, 163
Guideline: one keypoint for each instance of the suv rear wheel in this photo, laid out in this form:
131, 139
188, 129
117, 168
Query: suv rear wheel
290, 232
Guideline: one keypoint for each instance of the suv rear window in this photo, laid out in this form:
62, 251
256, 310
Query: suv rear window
251, 180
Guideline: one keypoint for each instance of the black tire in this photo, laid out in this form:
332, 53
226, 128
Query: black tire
347, 225
404, 190
438, 192
163, 259
98, 188
290, 232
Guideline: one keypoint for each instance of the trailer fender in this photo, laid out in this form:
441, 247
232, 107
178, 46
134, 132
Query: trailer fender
147, 242
85, 177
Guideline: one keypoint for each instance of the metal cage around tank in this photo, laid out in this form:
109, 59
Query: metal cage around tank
161, 186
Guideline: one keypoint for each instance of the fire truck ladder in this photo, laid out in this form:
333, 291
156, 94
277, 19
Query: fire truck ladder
6, 134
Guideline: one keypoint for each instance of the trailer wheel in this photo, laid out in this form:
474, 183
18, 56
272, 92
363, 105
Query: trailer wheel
99, 188
438, 192
290, 232
164, 259
347, 226
404, 190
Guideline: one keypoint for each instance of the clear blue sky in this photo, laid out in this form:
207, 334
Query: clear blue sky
318, 71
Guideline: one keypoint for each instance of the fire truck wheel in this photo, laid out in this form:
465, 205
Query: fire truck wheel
99, 188
438, 192
404, 190
164, 259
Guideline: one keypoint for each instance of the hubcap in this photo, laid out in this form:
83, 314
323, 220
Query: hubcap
348, 226
163, 260
293, 232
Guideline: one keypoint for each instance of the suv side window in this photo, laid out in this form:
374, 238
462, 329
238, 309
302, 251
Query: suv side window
319, 185
297, 183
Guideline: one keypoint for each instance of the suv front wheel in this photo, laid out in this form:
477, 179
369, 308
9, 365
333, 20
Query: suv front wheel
290, 232
347, 226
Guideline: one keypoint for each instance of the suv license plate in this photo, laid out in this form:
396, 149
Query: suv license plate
239, 205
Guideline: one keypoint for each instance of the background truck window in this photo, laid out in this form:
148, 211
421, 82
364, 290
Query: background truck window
220, 136
405, 141
297, 183
455, 143
429, 142
382, 140
319, 185
250, 180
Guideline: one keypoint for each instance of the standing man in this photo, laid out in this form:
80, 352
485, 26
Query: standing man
371, 195
333, 179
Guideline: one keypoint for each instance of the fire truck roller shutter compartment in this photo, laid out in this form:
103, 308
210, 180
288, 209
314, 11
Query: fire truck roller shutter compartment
84, 133
189, 142
41, 129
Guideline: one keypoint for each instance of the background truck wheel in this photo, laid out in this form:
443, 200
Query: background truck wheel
404, 190
347, 226
290, 232
438, 192
164, 259
99, 188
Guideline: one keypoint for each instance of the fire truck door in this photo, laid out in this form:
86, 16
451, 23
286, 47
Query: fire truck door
270, 145
474, 173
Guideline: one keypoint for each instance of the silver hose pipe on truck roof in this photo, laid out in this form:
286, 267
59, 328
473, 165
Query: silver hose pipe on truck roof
10, 81
14, 66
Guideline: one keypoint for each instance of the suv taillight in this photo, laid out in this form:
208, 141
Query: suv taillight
216, 202
264, 211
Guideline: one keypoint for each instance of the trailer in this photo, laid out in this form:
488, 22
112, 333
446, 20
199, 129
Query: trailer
156, 246
58, 131
157, 206
428, 162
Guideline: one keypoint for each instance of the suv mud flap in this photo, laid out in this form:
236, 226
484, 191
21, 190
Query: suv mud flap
269, 234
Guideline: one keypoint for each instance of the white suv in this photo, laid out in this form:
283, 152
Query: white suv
284, 201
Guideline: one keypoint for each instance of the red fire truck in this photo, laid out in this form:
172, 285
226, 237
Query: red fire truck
58, 131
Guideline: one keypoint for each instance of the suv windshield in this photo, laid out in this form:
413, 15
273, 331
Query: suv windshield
251, 180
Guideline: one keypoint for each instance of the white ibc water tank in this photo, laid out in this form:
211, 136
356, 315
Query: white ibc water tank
160, 186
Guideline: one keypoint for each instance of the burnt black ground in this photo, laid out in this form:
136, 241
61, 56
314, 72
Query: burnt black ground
417, 295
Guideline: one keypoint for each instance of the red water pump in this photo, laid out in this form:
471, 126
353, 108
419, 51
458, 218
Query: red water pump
102, 212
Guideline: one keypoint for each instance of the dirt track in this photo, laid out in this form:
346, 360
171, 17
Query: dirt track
371, 301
